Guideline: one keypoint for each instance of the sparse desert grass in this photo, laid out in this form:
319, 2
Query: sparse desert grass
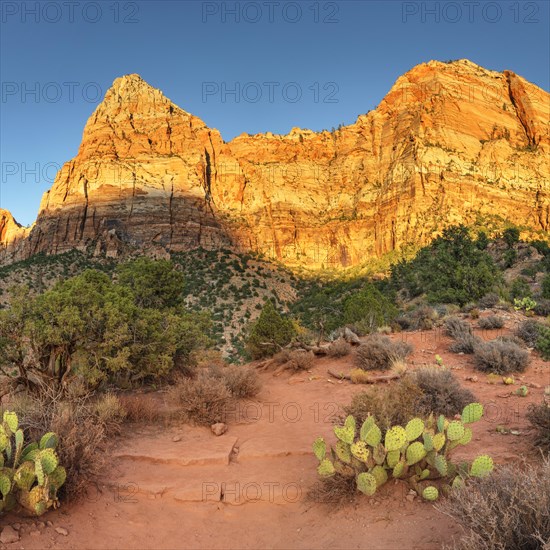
380, 352
499, 357
141, 408
337, 490
300, 360
339, 348
461, 332
441, 392
491, 322
508, 510
242, 382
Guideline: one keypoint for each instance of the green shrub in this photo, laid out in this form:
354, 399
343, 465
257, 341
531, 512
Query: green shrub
452, 269
542, 344
500, 357
379, 352
269, 333
519, 289
511, 236
506, 511
369, 307
545, 287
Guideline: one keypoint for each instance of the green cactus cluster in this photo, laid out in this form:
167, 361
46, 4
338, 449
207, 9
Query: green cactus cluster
417, 453
30, 476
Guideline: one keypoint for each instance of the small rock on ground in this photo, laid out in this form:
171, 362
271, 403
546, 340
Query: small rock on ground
9, 535
219, 428
62, 531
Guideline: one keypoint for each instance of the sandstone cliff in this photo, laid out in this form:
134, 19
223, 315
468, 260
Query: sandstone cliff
451, 142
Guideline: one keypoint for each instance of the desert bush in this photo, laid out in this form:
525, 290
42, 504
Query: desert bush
269, 333
378, 352
242, 382
507, 510
339, 348
474, 313
300, 360
203, 400
519, 289
511, 236
110, 412
545, 287
510, 338
461, 331
423, 317
491, 322
368, 309
490, 299
539, 417
337, 490
441, 392
543, 307
390, 405
500, 357
542, 344
456, 327
528, 331
465, 343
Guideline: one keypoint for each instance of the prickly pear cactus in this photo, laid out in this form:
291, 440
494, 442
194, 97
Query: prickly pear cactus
395, 438
344, 433
360, 451
326, 468
415, 453
29, 476
414, 429
472, 413
320, 448
455, 430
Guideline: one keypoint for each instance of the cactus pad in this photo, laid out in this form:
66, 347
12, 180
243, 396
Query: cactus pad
11, 421
366, 483
457, 483
467, 437
430, 493
24, 476
49, 441
424, 474
438, 441
345, 434
57, 477
320, 448
374, 436
414, 429
428, 441
455, 430
380, 475
392, 458
396, 437
365, 427
325, 468
481, 466
48, 460
441, 423
360, 451
343, 451
5, 485
415, 453
379, 454
399, 469
440, 464
472, 413
350, 423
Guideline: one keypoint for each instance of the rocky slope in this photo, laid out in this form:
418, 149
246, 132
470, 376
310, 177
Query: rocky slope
451, 142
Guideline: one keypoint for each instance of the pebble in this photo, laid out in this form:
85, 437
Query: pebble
9, 535
176, 438
62, 531
410, 498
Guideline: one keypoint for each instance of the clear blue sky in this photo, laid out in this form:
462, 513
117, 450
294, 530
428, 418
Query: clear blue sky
341, 56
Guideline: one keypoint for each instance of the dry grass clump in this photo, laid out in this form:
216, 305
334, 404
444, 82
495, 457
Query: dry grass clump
390, 404
423, 317
508, 510
380, 353
499, 357
339, 348
491, 322
441, 392
529, 331
489, 300
337, 490
141, 408
539, 418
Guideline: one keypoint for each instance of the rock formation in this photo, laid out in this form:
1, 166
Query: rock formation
450, 143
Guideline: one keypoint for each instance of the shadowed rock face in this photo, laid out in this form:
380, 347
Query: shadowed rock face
450, 142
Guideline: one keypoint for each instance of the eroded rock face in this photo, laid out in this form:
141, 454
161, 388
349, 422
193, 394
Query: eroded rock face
449, 143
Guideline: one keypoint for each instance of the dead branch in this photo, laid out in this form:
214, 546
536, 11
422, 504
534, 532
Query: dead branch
367, 380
